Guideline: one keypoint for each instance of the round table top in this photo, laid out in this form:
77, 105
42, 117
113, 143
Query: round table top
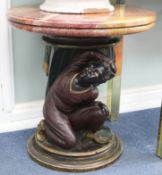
122, 21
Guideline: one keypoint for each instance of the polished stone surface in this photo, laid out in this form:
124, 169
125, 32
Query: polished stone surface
123, 20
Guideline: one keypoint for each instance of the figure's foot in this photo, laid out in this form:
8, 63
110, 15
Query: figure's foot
40, 131
103, 136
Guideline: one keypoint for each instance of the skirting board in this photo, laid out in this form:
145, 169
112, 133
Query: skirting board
28, 115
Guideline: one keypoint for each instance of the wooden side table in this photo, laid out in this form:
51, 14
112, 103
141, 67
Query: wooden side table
72, 35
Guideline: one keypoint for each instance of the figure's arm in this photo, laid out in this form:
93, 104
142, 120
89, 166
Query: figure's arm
82, 60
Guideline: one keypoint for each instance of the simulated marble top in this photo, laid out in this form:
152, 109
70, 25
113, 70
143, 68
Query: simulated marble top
122, 21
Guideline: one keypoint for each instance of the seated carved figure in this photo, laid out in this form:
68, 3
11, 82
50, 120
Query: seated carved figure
70, 104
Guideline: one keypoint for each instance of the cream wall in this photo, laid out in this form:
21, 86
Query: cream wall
28, 57
143, 52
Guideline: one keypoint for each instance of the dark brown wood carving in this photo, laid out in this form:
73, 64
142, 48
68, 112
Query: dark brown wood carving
70, 105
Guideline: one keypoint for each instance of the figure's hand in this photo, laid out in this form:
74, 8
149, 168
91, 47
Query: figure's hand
90, 116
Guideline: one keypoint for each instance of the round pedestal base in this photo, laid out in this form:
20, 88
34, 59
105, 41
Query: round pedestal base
72, 161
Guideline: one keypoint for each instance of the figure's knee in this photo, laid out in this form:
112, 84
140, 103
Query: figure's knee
103, 110
66, 142
70, 142
67, 135
98, 117
62, 136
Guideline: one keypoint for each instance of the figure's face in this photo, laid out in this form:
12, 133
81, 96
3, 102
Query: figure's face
96, 73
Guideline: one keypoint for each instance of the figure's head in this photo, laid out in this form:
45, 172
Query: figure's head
97, 72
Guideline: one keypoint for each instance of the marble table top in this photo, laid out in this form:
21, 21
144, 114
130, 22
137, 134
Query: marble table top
122, 21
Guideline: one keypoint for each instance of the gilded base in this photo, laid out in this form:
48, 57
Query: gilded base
72, 161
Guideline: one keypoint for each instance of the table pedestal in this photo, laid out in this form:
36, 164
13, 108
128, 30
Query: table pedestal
66, 48
89, 153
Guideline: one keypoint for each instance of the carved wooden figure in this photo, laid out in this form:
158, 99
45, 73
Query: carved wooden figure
74, 122
70, 103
